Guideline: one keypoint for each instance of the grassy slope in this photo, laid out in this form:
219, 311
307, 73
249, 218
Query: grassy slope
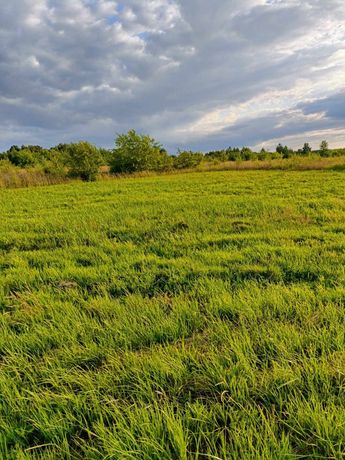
181, 317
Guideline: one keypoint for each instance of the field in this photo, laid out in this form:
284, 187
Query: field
192, 316
16, 177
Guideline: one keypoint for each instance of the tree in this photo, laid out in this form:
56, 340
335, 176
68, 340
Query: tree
23, 158
263, 154
187, 159
135, 152
247, 154
84, 160
324, 148
234, 154
287, 152
217, 155
280, 148
306, 149
106, 155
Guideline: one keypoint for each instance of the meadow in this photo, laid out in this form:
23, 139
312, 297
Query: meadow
190, 316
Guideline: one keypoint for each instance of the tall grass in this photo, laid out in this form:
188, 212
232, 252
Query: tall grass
15, 177
191, 316
296, 163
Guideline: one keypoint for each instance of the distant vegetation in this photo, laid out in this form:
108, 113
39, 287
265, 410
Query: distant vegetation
133, 153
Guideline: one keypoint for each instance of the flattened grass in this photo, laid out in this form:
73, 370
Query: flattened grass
177, 317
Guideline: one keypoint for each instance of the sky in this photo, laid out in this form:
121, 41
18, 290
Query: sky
196, 74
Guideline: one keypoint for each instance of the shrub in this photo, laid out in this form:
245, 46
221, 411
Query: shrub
134, 152
306, 150
284, 151
187, 159
83, 160
287, 153
247, 154
263, 155
234, 155
22, 158
324, 151
276, 155
217, 155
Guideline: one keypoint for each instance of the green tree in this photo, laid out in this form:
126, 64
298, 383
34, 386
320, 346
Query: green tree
217, 155
287, 152
83, 160
306, 149
263, 154
23, 158
135, 152
248, 154
234, 154
187, 159
54, 163
324, 148
280, 149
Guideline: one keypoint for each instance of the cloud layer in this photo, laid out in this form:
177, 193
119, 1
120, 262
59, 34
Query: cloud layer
191, 73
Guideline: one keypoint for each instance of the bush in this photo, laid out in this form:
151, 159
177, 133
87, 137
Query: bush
134, 152
263, 155
187, 159
22, 158
284, 151
217, 155
324, 152
247, 154
83, 160
234, 155
276, 155
306, 150
106, 155
288, 153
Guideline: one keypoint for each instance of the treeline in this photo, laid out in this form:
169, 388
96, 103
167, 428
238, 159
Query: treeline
132, 153
281, 152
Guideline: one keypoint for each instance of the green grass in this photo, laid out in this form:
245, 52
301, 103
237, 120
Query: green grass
194, 316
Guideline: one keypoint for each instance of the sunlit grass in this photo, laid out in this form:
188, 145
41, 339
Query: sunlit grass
188, 316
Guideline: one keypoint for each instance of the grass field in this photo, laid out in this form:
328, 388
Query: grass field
193, 316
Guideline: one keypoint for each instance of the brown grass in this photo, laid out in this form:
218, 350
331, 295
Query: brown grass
297, 163
17, 178
12, 177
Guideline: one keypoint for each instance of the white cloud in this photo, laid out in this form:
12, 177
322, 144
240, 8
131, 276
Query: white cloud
236, 72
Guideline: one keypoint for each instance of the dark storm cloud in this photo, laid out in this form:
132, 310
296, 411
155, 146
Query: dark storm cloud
199, 73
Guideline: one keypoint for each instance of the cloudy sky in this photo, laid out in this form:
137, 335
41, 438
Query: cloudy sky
192, 73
